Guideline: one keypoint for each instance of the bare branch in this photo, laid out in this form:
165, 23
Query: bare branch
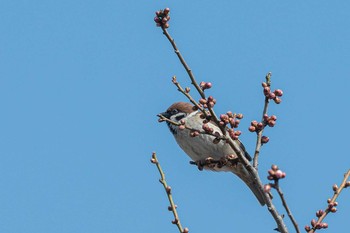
260, 133
285, 205
167, 188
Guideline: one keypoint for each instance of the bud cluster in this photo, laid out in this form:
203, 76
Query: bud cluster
270, 120
230, 118
234, 134
209, 102
162, 18
275, 173
205, 85
275, 95
332, 206
315, 225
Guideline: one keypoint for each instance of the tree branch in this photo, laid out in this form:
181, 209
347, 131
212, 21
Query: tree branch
167, 188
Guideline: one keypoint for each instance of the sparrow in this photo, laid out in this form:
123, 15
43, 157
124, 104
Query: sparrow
201, 147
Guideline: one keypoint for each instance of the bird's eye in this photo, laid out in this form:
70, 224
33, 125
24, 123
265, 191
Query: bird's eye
174, 111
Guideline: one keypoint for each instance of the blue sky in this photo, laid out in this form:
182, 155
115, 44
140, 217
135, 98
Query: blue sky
81, 83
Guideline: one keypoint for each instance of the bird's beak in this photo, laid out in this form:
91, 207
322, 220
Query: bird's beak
165, 114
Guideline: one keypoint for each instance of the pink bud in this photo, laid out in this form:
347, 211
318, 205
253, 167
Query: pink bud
156, 19
266, 117
185, 230
274, 167
273, 117
166, 25
264, 139
266, 91
307, 228
164, 20
278, 92
252, 128
166, 10
272, 95
202, 84
254, 123
267, 188
278, 174
238, 132
264, 84
239, 116
271, 172
203, 101
277, 100
313, 222
182, 127
260, 125
324, 225
208, 85
223, 117
210, 98
271, 123
335, 187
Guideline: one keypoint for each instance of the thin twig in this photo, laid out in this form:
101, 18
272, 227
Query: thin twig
260, 133
167, 188
193, 80
182, 60
285, 205
332, 200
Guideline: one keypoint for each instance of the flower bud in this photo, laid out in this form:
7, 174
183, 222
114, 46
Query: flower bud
168, 189
264, 139
277, 100
267, 188
187, 89
278, 92
252, 128
274, 167
185, 230
307, 228
272, 95
347, 184
153, 161
166, 10
319, 213
313, 222
271, 123
208, 85
182, 127
266, 117
239, 116
273, 117
203, 101
264, 84
324, 225
254, 123
335, 187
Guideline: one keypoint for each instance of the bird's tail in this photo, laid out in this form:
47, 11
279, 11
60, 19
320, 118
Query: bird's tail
242, 173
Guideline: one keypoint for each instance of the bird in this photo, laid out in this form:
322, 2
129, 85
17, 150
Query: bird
201, 146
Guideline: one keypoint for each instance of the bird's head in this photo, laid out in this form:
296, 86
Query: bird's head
176, 112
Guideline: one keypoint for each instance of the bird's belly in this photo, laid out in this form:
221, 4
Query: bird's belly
202, 146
